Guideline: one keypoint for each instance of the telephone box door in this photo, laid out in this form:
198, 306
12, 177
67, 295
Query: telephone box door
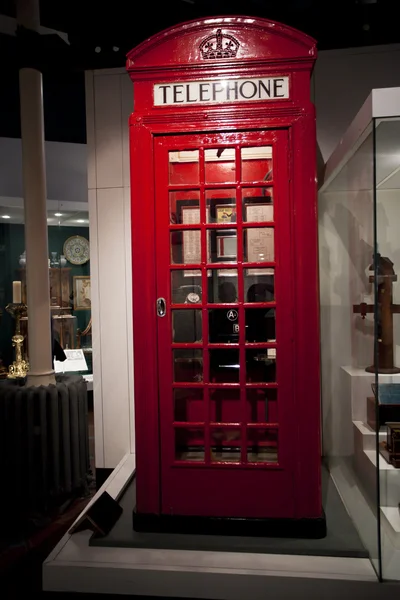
225, 324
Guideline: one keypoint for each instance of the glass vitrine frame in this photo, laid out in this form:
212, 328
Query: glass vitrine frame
358, 240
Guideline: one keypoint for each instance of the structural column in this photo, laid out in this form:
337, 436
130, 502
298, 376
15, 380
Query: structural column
34, 184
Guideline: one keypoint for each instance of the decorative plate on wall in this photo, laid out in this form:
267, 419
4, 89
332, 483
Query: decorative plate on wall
76, 250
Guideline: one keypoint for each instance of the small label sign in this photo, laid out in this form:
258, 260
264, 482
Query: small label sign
221, 91
232, 315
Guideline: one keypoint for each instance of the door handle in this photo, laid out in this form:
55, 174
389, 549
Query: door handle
161, 307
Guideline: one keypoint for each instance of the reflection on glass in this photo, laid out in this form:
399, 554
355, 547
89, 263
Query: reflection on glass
221, 206
220, 165
184, 207
260, 325
225, 445
186, 286
223, 326
258, 205
188, 365
262, 445
186, 247
259, 244
183, 167
189, 444
225, 406
387, 288
257, 163
224, 366
188, 405
222, 245
354, 183
261, 406
186, 326
261, 365
223, 285
259, 284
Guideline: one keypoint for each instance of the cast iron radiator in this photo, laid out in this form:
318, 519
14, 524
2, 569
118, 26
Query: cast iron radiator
44, 444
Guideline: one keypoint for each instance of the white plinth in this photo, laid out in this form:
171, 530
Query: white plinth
362, 448
74, 566
359, 382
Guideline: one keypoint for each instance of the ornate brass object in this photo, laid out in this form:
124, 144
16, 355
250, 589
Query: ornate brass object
20, 367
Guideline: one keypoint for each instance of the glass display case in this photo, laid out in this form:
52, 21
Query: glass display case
69, 284
359, 225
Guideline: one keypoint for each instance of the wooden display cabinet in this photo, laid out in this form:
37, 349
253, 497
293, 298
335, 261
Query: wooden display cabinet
63, 322
60, 287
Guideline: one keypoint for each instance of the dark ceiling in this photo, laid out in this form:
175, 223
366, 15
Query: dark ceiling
122, 24
101, 33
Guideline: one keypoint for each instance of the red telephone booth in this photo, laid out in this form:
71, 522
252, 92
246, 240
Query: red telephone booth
225, 279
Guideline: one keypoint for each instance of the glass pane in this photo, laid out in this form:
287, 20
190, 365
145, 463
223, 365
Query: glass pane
260, 325
259, 244
224, 366
186, 247
258, 205
220, 165
186, 326
259, 285
384, 277
223, 285
188, 405
184, 207
347, 346
225, 406
189, 444
183, 167
188, 365
222, 245
223, 326
221, 206
257, 163
261, 406
262, 445
261, 365
186, 286
225, 445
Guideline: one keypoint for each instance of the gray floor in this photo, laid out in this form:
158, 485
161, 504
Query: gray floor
342, 538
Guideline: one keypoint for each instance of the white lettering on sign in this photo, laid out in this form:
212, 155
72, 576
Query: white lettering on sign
223, 90
232, 315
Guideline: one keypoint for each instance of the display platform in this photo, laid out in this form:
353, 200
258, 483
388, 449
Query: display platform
341, 540
76, 565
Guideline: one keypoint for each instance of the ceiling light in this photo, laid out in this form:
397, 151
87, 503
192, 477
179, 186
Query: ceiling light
97, 49
58, 214
5, 217
115, 48
80, 221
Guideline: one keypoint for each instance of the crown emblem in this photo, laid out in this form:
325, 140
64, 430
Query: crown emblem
219, 45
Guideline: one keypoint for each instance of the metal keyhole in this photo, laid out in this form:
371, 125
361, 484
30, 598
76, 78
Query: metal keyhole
161, 307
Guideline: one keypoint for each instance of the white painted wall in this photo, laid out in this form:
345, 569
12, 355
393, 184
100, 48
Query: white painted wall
341, 82
109, 102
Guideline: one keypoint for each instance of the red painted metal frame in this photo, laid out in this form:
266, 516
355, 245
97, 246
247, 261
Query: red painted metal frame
269, 487
265, 49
